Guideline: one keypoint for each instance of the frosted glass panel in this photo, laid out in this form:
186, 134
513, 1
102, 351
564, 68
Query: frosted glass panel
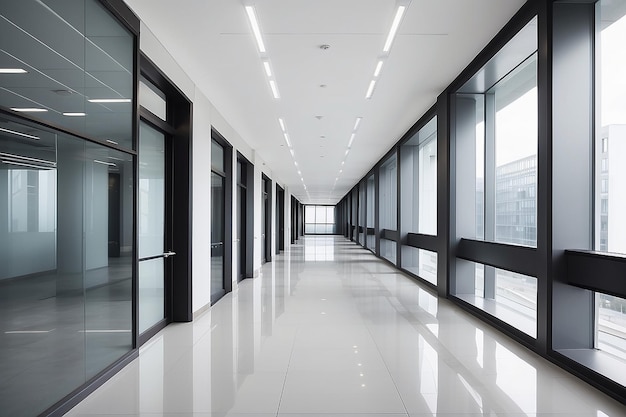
151, 293
151, 191
152, 99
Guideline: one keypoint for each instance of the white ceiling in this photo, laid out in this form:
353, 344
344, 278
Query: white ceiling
213, 42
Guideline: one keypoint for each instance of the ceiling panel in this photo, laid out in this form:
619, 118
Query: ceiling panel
212, 42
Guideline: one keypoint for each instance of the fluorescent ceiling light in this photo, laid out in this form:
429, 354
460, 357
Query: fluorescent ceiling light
351, 140
347, 150
299, 172
370, 89
356, 124
75, 114
343, 163
29, 109
24, 135
287, 139
379, 66
12, 71
268, 70
291, 150
282, 124
394, 28
295, 163
274, 89
109, 100
341, 171
255, 28
112, 141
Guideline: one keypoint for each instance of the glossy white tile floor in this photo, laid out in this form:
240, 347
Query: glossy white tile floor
329, 330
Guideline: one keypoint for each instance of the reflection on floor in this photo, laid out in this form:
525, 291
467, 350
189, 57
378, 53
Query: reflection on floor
334, 332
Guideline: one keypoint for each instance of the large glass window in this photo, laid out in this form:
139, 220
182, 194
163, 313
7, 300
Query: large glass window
388, 185
418, 198
509, 296
611, 135
319, 220
362, 213
495, 128
66, 246
371, 213
515, 147
610, 173
74, 67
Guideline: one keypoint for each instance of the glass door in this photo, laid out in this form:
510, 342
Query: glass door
153, 247
218, 219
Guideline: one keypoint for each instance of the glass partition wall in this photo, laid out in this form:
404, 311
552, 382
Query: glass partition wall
67, 197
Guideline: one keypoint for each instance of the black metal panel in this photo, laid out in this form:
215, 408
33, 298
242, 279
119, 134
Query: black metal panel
420, 241
597, 271
123, 13
566, 182
389, 234
520, 259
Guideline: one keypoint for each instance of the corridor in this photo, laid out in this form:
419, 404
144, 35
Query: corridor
329, 329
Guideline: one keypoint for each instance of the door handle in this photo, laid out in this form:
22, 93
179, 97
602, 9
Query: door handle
168, 254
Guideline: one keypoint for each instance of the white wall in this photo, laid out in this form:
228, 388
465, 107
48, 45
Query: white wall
205, 116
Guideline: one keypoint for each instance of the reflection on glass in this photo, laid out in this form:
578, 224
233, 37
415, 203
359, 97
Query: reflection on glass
151, 205
151, 230
72, 57
427, 216
66, 240
151, 293
217, 233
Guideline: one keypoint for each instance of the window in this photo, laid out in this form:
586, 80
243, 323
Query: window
611, 324
388, 183
418, 198
610, 174
499, 126
319, 220
509, 296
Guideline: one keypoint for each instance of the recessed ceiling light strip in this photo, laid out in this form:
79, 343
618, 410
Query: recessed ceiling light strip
274, 89
370, 89
379, 67
394, 28
256, 29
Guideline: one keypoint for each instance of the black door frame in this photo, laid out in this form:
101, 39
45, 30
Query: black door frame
266, 200
178, 161
228, 212
280, 219
247, 182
